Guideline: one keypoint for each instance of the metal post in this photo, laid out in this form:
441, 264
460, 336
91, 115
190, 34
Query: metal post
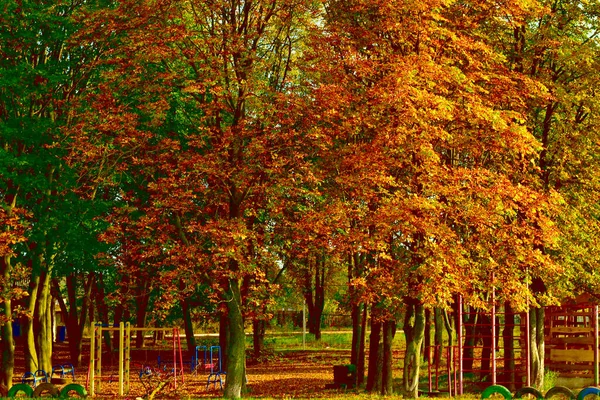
127, 354
493, 352
99, 355
304, 325
528, 347
596, 355
459, 338
92, 359
174, 357
121, 358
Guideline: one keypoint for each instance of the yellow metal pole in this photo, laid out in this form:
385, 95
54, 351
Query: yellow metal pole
92, 359
127, 354
99, 353
121, 337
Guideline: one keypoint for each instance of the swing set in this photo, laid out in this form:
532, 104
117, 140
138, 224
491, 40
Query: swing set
125, 330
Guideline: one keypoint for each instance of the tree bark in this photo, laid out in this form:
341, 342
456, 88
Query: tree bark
470, 324
537, 346
7, 345
389, 331
414, 331
375, 356
31, 357
187, 325
143, 297
236, 348
360, 366
258, 337
44, 319
508, 335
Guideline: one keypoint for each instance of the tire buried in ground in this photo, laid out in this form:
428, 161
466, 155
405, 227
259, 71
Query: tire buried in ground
43, 388
73, 387
588, 391
560, 390
20, 387
528, 390
499, 389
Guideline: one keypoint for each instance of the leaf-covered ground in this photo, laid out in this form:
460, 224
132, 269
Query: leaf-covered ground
286, 374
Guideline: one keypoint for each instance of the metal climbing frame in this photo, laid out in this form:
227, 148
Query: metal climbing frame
211, 362
480, 340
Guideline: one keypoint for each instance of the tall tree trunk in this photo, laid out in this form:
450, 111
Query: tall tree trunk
355, 262
537, 346
389, 331
314, 293
470, 324
7, 345
258, 337
187, 325
360, 366
102, 310
44, 319
31, 357
117, 318
143, 297
224, 337
438, 320
427, 354
414, 331
485, 330
375, 355
236, 348
75, 318
508, 336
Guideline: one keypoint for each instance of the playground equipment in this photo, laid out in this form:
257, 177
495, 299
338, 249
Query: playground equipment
572, 347
124, 330
211, 363
62, 371
34, 378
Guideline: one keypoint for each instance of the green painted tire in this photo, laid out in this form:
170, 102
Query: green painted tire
490, 390
73, 387
588, 391
528, 390
20, 387
558, 390
45, 388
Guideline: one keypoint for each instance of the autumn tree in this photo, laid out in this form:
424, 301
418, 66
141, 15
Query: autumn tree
207, 117
433, 156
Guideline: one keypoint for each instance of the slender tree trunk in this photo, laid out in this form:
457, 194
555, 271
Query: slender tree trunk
236, 349
31, 357
258, 337
485, 329
44, 318
508, 336
143, 297
224, 338
355, 262
360, 366
75, 318
438, 316
7, 345
102, 310
427, 354
537, 346
414, 331
187, 325
375, 355
117, 318
389, 331
470, 325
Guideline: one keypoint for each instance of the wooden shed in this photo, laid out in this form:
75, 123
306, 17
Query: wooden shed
571, 336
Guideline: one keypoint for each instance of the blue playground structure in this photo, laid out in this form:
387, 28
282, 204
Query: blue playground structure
211, 363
